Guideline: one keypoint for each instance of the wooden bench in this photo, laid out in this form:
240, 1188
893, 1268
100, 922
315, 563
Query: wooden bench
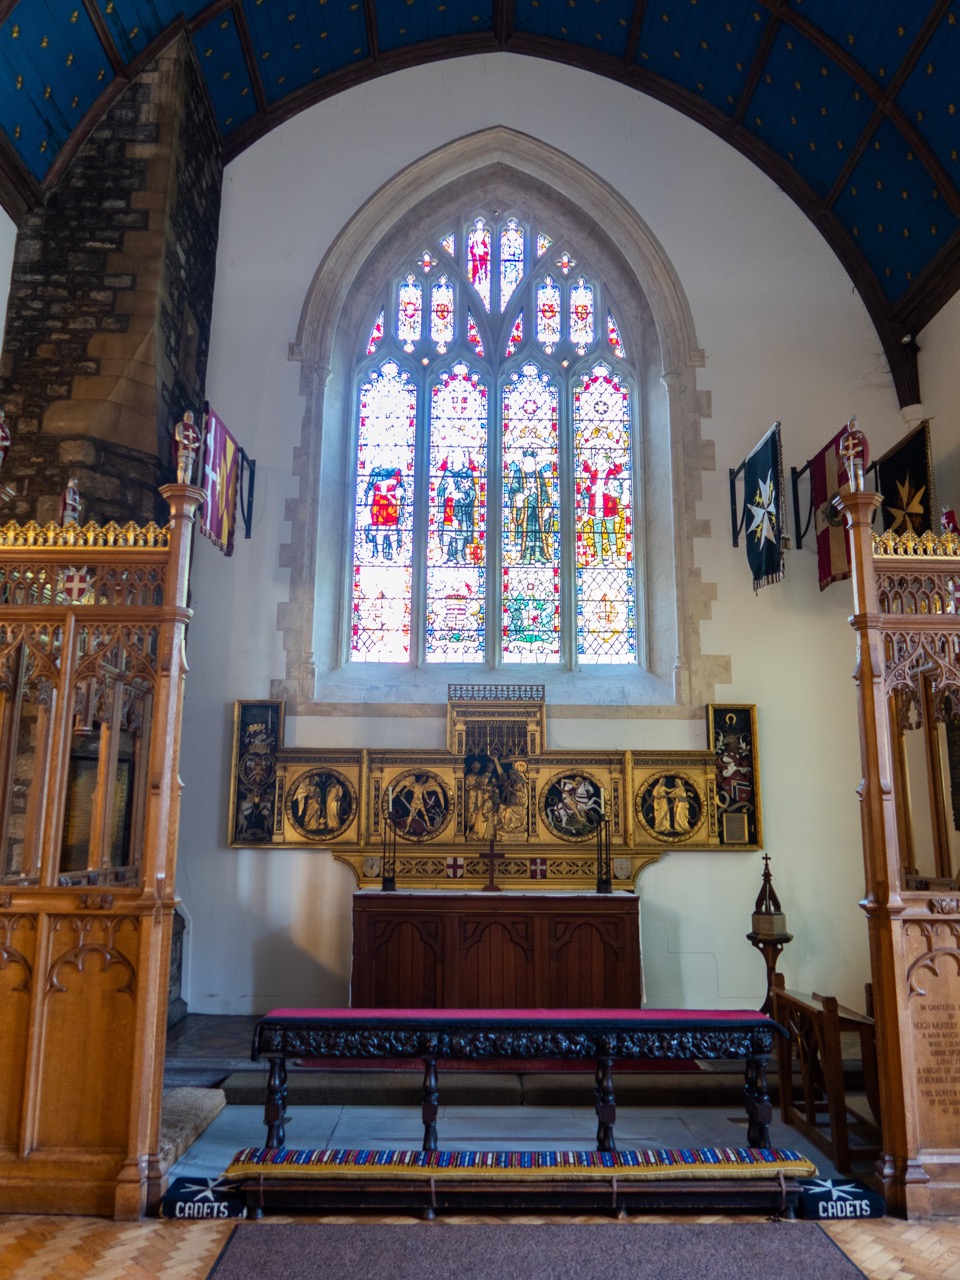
813, 1046
598, 1035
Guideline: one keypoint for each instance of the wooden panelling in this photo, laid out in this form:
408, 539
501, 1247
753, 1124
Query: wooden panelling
85, 947
18, 938
89, 1010
501, 950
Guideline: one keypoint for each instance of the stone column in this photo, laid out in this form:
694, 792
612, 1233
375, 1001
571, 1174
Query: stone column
111, 295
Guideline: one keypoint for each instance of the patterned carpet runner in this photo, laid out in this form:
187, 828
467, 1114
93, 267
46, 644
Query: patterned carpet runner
683, 1162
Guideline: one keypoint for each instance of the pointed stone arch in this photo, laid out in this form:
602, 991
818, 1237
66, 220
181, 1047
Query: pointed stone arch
492, 166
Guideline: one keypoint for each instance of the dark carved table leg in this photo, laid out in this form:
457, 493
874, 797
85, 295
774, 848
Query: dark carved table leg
606, 1105
275, 1108
757, 1102
431, 1098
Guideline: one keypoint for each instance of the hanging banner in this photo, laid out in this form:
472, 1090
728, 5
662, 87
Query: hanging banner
905, 478
221, 477
828, 477
763, 499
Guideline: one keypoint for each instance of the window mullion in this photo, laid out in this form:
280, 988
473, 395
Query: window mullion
418, 602
494, 556
568, 533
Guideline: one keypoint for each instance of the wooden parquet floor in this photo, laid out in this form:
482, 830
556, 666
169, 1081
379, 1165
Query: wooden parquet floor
42, 1248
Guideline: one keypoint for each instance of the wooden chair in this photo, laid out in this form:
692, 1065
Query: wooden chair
813, 1047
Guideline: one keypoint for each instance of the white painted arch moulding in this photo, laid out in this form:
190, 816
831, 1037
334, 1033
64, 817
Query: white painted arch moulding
681, 681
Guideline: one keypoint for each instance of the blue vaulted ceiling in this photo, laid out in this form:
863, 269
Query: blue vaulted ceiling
850, 105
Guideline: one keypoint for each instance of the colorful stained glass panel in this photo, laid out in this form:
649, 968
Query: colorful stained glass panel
473, 334
410, 313
605, 578
581, 316
511, 260
531, 542
613, 337
478, 260
383, 526
441, 314
543, 244
376, 334
448, 244
516, 335
548, 314
457, 518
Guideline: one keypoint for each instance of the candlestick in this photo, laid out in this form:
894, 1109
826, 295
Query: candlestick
388, 860
604, 868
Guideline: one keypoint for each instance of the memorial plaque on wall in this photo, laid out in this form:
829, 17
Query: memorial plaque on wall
934, 1003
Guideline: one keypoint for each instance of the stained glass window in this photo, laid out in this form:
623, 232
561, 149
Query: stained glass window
581, 316
376, 334
530, 598
410, 313
606, 596
511, 260
548, 314
486, 403
457, 518
441, 314
473, 335
478, 260
516, 335
613, 337
383, 529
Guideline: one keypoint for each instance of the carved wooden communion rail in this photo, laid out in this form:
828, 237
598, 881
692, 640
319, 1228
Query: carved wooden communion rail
600, 1035
814, 1027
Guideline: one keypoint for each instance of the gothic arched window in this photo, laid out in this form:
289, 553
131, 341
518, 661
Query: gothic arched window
496, 446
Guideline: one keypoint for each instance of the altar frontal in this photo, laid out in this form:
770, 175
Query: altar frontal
495, 808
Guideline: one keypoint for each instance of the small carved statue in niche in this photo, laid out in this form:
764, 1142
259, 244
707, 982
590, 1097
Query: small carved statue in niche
6, 491
187, 437
4, 438
483, 800
70, 503
512, 815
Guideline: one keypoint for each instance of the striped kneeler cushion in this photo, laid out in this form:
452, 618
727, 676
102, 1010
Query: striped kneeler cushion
267, 1163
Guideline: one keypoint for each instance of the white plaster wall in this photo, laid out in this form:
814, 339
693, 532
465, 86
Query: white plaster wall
785, 338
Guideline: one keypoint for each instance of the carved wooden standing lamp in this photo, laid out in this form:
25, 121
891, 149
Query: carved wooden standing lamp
769, 932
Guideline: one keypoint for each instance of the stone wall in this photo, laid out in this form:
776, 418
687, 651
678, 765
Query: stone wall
110, 302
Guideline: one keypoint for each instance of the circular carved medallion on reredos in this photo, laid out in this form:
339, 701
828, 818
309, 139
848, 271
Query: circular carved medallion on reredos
671, 807
570, 805
321, 804
421, 806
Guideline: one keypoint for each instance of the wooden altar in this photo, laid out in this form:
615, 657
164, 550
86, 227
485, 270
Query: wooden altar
495, 951
92, 625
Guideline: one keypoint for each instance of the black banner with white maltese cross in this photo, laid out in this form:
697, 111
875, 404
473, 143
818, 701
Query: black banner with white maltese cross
763, 505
